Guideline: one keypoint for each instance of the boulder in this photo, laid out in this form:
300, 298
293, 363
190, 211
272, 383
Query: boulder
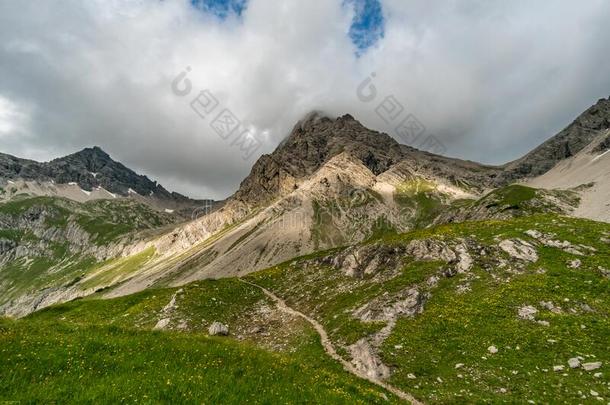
218, 329
519, 249
162, 324
592, 366
528, 313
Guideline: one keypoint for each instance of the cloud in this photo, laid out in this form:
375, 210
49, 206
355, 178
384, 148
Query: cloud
489, 79
13, 118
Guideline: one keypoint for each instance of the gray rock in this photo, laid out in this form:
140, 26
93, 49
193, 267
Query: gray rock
405, 303
519, 249
592, 366
218, 329
549, 305
565, 144
533, 233
574, 264
162, 324
366, 360
528, 312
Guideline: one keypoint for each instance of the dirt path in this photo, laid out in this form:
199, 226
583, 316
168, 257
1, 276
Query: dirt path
330, 348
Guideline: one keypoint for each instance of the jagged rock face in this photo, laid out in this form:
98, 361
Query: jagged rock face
312, 143
360, 261
567, 143
111, 175
317, 139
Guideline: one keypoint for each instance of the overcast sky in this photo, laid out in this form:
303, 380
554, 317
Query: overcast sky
490, 79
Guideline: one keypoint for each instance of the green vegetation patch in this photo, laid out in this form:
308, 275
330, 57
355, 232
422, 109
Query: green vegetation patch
60, 362
420, 202
120, 269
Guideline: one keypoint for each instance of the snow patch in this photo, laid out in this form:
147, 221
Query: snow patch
72, 183
93, 174
85, 191
168, 211
11, 182
132, 191
102, 189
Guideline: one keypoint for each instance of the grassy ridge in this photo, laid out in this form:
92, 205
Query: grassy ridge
52, 260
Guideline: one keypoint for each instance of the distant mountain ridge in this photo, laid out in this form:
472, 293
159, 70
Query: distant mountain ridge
90, 168
93, 169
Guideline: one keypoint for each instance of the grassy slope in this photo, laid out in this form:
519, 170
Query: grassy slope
105, 221
105, 351
47, 362
459, 327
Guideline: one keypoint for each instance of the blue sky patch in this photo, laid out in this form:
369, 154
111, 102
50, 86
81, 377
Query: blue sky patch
368, 26
221, 8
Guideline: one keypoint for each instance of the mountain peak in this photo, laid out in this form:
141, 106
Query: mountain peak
313, 142
97, 150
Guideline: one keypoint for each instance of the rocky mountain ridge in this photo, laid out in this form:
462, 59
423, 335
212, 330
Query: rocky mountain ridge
316, 139
96, 175
566, 144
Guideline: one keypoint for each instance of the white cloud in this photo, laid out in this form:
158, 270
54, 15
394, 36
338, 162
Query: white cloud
491, 79
13, 118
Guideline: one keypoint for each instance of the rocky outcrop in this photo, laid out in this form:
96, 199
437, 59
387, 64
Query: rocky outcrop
565, 144
90, 168
435, 250
367, 362
519, 249
317, 139
368, 260
390, 307
548, 240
